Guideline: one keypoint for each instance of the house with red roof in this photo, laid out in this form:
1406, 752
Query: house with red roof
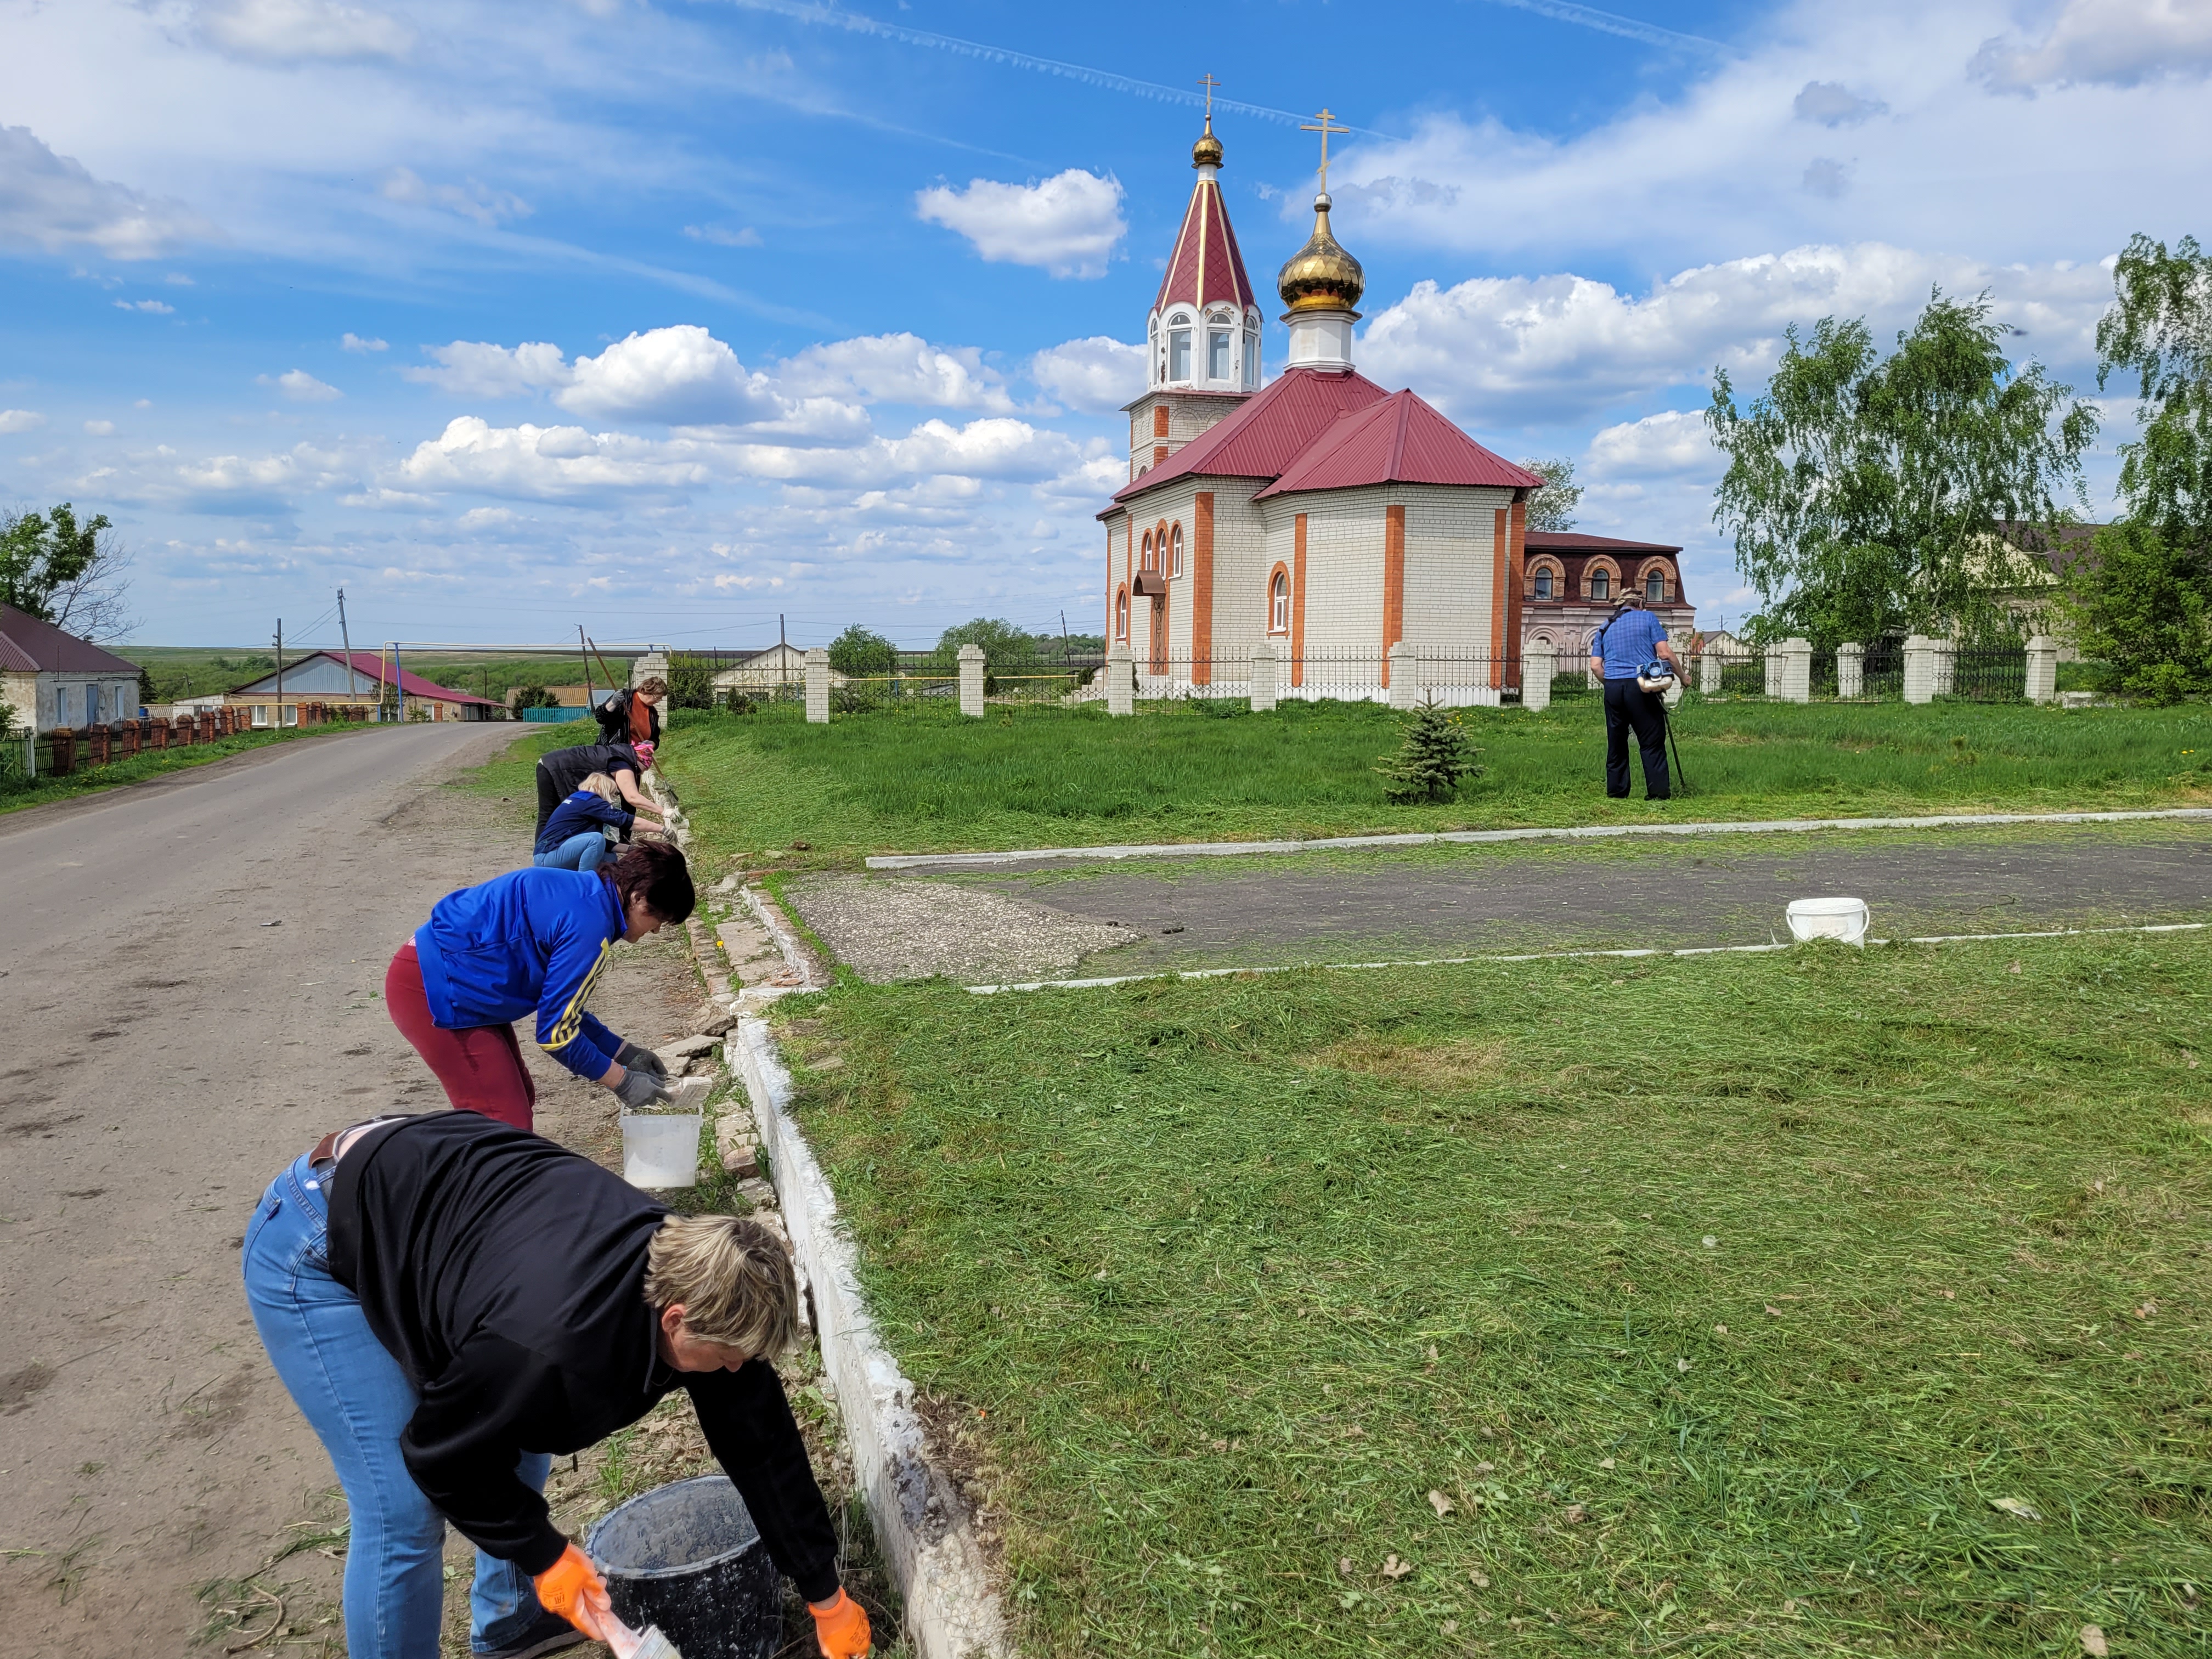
338, 678
1322, 515
50, 677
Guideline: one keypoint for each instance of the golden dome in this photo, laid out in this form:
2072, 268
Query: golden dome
1320, 275
1207, 152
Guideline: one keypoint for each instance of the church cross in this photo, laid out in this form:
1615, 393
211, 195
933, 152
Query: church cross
1209, 83
1324, 129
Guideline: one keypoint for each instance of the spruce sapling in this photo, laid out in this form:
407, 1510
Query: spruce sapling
1435, 758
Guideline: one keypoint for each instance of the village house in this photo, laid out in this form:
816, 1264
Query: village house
339, 680
50, 678
1571, 585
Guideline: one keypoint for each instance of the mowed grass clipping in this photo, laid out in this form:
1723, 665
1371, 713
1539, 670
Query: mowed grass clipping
1817, 1303
1028, 776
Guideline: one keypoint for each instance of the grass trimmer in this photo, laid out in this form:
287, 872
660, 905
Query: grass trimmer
1656, 678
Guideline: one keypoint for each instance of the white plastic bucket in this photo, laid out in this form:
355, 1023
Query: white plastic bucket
1844, 919
660, 1149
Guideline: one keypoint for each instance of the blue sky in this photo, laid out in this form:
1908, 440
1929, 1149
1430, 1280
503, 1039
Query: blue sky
671, 316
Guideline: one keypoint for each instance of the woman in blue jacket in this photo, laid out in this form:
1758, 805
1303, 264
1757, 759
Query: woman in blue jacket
532, 941
574, 837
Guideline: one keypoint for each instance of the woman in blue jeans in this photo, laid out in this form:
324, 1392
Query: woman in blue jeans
451, 1302
575, 837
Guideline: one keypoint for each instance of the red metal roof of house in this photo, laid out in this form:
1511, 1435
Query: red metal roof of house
1267, 433
28, 646
1205, 263
1568, 541
370, 666
1401, 440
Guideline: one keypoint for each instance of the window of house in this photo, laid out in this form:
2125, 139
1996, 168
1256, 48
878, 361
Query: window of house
1600, 584
1251, 357
1655, 586
1543, 584
1175, 552
1144, 554
261, 713
61, 705
1216, 353
1121, 614
1279, 604
1160, 368
1178, 353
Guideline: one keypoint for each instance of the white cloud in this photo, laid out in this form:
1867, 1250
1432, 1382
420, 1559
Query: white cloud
154, 306
477, 368
2120, 43
1834, 104
682, 376
20, 420
1520, 350
260, 484
896, 368
995, 448
353, 341
488, 518
471, 200
723, 236
281, 30
299, 387
561, 463
1674, 440
1069, 223
100, 429
51, 203
1096, 375
178, 279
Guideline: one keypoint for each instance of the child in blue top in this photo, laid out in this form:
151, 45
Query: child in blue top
573, 838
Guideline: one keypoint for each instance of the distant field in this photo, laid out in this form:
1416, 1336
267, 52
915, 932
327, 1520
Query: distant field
1026, 775
193, 670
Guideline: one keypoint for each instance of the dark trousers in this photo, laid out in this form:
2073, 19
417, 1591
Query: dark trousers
550, 795
1628, 704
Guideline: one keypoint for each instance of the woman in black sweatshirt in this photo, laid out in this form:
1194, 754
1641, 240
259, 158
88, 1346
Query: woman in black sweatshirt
451, 1301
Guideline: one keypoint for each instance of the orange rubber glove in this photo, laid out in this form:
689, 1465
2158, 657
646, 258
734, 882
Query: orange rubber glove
572, 1587
842, 1628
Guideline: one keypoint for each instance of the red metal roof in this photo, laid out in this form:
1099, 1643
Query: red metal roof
1267, 434
1401, 440
1568, 541
370, 666
28, 646
1205, 265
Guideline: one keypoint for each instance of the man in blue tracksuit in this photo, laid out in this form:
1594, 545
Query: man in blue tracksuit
1618, 654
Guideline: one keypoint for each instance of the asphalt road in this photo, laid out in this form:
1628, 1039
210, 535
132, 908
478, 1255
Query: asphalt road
167, 1052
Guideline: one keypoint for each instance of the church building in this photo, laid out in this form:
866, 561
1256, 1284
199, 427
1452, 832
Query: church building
1319, 514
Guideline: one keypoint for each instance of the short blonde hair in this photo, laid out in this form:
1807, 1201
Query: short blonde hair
601, 785
733, 1279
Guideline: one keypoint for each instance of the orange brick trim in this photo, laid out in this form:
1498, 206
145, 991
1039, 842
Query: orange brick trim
1299, 600
1201, 589
1281, 571
1393, 582
1159, 453
1159, 419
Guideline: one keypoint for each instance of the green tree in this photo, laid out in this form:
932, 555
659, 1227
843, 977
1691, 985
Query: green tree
1864, 493
1552, 508
2139, 603
1006, 649
2161, 327
64, 572
861, 653
690, 681
534, 696
146, 694
1434, 759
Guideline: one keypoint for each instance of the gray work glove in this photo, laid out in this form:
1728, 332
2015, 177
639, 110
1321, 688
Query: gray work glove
639, 1089
635, 1059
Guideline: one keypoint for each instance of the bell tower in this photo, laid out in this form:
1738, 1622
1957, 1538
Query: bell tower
1202, 337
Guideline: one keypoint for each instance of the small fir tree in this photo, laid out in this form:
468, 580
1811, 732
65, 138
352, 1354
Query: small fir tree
1434, 760
146, 692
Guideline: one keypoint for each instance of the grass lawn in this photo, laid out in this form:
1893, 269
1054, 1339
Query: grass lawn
1028, 776
88, 780
193, 671
1832, 1302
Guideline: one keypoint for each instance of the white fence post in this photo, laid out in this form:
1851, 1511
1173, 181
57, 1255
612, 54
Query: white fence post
1796, 655
1121, 687
1263, 677
2043, 669
1919, 669
971, 679
1404, 672
1538, 665
1709, 672
1850, 670
817, 687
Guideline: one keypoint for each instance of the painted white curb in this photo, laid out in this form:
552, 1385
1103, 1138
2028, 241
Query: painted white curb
921, 1523
1190, 849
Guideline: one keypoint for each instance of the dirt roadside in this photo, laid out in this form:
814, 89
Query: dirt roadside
172, 1054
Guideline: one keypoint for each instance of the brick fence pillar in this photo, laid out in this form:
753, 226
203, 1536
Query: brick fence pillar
65, 750
817, 687
971, 679
1919, 669
1121, 686
2043, 669
1404, 677
1709, 672
1851, 670
1538, 665
1796, 655
1262, 676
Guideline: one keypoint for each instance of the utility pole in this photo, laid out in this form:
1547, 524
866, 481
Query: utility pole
348, 639
280, 673
782, 651
584, 650
399, 681
1063, 637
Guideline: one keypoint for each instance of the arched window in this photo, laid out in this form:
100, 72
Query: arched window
1544, 581
1159, 363
1121, 614
1251, 355
1145, 556
1600, 584
1179, 346
1279, 604
1655, 586
1175, 552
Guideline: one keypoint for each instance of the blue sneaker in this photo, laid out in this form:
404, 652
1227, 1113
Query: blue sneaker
549, 1633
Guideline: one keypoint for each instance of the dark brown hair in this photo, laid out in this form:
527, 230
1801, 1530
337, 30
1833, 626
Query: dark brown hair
655, 871
655, 686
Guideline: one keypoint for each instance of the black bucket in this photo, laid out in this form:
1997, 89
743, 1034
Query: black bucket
687, 1557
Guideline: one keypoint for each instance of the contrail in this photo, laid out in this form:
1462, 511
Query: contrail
1606, 22
800, 11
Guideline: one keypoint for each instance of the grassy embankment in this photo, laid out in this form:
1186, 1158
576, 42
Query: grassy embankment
1025, 776
88, 780
1828, 1303
193, 671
